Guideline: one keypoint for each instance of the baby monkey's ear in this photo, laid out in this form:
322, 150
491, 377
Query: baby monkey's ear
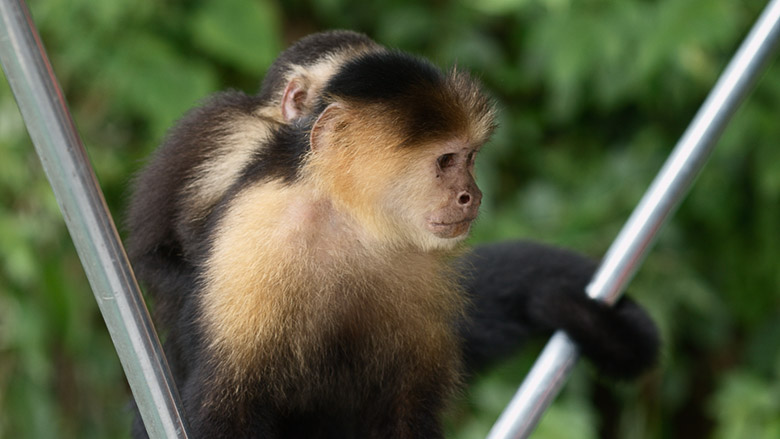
294, 99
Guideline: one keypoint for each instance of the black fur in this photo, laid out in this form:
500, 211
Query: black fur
164, 248
382, 76
161, 245
306, 51
398, 80
281, 158
523, 289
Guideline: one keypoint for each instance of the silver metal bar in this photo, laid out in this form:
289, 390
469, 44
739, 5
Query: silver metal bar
629, 249
67, 167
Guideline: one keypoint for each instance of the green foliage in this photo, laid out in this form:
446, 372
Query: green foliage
230, 31
593, 96
747, 406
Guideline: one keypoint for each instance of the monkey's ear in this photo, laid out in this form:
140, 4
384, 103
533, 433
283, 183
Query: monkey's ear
294, 99
325, 124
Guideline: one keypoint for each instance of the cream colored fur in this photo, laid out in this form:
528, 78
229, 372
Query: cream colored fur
290, 274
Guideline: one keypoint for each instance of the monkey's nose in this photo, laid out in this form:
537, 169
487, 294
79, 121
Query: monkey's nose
469, 199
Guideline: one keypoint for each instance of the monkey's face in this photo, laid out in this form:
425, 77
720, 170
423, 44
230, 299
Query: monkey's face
401, 189
455, 193
436, 199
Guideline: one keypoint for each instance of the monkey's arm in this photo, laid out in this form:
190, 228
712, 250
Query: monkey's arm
521, 289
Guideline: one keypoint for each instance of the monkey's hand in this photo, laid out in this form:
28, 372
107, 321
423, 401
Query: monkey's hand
522, 289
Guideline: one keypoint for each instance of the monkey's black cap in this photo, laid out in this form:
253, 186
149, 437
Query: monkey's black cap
384, 75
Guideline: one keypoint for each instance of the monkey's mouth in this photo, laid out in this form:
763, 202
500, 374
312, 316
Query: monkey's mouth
450, 229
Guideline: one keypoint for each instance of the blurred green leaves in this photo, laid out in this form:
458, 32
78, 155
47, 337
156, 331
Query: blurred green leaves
747, 406
150, 77
593, 96
243, 33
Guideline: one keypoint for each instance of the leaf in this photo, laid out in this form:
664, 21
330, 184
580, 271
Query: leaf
746, 406
570, 418
498, 7
243, 33
150, 76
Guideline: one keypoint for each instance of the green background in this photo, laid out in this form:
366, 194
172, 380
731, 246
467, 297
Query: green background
593, 96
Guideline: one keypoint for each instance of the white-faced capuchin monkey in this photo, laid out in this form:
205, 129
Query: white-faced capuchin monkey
302, 248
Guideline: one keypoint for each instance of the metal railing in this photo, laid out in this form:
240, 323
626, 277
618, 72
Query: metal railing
67, 167
629, 249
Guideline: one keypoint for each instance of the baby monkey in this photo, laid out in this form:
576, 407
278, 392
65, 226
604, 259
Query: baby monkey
301, 247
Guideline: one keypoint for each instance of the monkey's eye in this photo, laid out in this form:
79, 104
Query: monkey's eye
470, 158
445, 161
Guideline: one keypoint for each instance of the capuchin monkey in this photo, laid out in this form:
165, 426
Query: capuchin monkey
303, 251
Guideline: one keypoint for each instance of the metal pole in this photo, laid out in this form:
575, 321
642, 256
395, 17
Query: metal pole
67, 167
629, 249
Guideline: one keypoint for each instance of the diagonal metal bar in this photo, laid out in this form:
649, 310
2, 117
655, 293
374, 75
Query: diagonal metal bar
629, 249
67, 167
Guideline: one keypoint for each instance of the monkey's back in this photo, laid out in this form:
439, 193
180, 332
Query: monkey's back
174, 194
